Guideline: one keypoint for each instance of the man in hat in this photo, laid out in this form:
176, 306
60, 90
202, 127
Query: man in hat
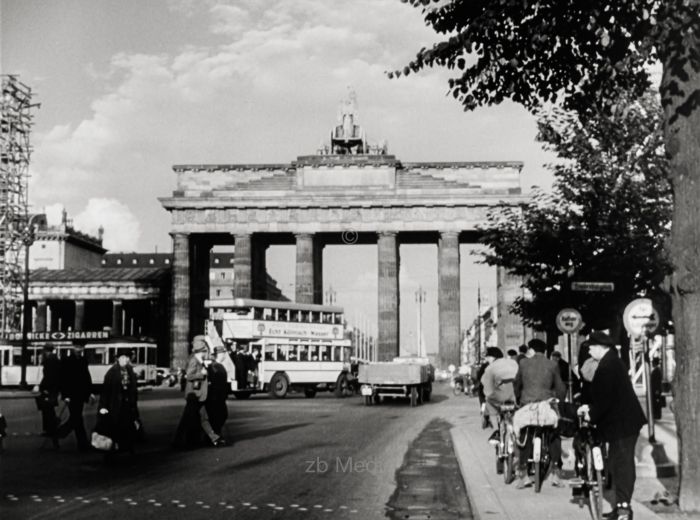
218, 390
194, 417
497, 382
538, 379
618, 416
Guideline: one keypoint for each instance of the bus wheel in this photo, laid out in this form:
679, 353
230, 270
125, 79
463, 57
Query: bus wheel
310, 392
279, 385
342, 386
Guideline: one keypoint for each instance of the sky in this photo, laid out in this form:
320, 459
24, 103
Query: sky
129, 88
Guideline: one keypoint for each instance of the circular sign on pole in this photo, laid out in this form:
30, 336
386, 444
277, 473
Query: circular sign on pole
640, 317
569, 321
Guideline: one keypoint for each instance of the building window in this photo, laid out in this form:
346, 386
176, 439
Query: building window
167, 261
134, 261
104, 262
119, 261
216, 261
151, 261
230, 261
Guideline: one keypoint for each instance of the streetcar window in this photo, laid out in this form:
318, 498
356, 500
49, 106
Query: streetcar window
16, 357
151, 356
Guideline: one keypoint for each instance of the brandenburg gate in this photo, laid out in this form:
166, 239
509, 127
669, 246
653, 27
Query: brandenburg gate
348, 192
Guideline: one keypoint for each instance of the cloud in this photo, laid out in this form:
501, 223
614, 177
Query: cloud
265, 89
121, 228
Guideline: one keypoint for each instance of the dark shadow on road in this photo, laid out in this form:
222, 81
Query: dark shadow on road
254, 434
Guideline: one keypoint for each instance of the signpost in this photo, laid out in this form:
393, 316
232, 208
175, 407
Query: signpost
593, 286
641, 321
569, 321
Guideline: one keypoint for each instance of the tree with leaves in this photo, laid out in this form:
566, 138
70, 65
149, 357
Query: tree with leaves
606, 218
583, 54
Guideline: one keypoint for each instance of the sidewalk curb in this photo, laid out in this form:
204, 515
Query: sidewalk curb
484, 502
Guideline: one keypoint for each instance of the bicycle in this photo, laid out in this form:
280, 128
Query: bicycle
589, 467
505, 444
540, 459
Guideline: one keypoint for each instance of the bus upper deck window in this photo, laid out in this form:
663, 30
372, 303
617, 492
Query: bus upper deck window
338, 319
315, 317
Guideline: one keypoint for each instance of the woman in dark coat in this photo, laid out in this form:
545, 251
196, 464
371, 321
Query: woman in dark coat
118, 410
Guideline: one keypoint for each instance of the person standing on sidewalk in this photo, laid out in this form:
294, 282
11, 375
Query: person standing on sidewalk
538, 379
49, 388
76, 390
618, 416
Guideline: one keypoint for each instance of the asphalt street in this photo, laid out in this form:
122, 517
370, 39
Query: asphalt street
289, 458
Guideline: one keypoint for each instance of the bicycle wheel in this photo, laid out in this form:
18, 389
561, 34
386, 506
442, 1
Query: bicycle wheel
537, 450
594, 481
509, 462
500, 448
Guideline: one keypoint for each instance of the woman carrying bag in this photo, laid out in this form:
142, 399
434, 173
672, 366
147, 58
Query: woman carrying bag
118, 415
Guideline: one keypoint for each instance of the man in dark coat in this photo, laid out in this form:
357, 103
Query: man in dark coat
76, 388
538, 379
618, 416
218, 391
49, 388
118, 402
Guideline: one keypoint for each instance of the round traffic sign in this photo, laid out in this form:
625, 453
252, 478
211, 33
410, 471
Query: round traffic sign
569, 321
640, 317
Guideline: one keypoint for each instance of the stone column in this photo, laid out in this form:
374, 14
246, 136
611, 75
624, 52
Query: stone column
448, 299
242, 262
199, 285
305, 269
180, 301
117, 323
388, 285
511, 332
40, 316
318, 270
259, 267
79, 323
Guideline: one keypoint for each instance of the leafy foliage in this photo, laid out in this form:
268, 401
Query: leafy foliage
582, 52
606, 219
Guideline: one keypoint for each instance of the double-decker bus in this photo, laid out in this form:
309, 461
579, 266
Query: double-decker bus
100, 357
281, 346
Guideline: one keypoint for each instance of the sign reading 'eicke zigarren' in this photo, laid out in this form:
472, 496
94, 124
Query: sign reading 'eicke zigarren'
61, 335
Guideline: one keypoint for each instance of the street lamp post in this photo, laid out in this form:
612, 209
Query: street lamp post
28, 240
420, 298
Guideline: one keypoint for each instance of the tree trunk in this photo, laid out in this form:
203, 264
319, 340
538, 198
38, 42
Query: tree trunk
682, 136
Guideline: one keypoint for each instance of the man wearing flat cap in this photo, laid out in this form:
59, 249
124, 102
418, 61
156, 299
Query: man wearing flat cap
194, 417
497, 382
615, 410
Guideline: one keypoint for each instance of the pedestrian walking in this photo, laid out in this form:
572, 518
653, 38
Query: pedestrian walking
49, 390
118, 408
194, 417
217, 376
618, 416
76, 390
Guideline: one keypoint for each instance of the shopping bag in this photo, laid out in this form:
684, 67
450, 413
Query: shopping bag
101, 442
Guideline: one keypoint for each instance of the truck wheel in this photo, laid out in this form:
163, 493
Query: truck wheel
427, 392
342, 386
414, 396
279, 385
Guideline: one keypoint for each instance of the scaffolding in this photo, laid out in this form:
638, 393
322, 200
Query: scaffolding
15, 150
